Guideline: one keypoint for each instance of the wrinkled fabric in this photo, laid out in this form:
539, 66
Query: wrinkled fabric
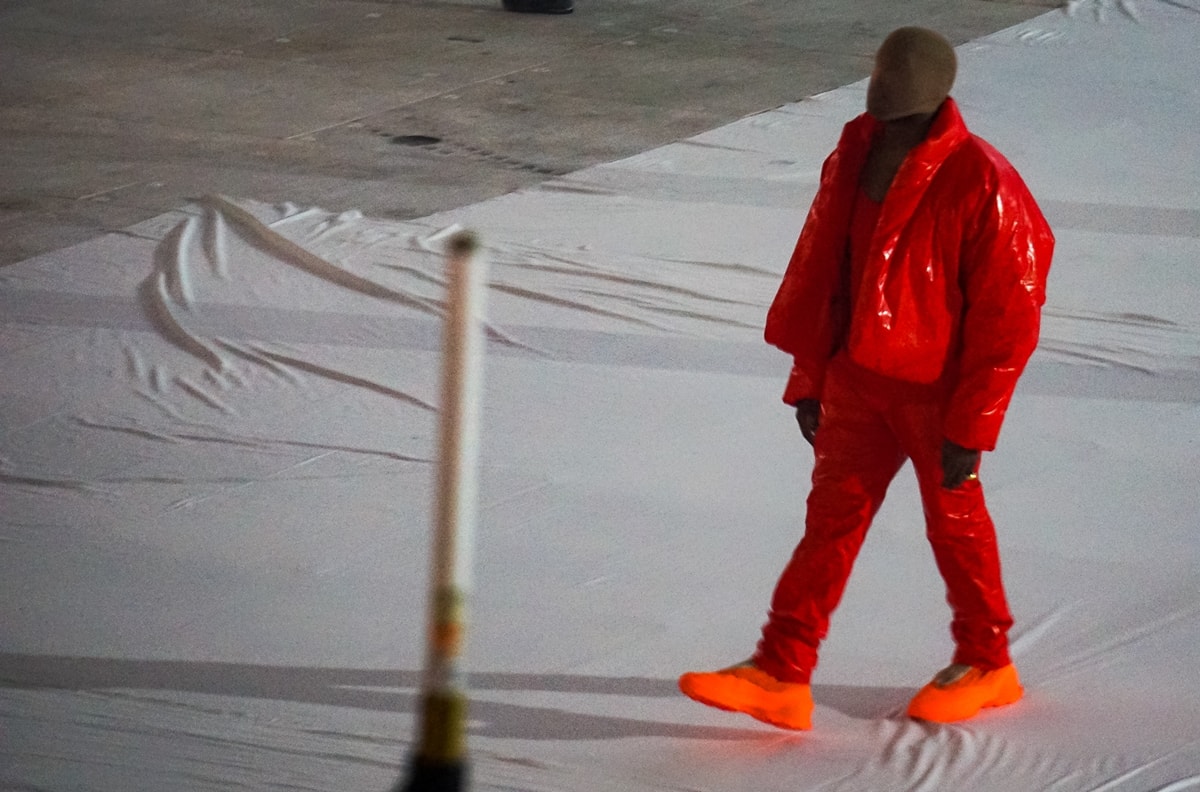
869, 427
952, 286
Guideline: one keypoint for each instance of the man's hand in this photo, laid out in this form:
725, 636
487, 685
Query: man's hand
808, 415
958, 464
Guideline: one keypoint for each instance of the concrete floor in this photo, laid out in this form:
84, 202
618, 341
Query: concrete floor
113, 112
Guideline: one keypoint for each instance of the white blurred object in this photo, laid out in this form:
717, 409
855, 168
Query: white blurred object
1100, 8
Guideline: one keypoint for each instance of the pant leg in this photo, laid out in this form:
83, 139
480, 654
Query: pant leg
857, 456
963, 539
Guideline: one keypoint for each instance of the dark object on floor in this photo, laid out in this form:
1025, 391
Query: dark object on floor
540, 6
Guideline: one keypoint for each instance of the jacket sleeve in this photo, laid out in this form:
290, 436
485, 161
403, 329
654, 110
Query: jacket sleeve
801, 385
1003, 279
803, 319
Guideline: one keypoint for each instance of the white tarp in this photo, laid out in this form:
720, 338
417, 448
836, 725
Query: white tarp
217, 446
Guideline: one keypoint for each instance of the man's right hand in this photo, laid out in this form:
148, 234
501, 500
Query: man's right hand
808, 415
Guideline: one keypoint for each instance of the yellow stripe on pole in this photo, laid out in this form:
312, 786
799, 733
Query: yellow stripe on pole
444, 734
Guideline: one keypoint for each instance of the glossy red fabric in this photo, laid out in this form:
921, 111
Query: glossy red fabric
953, 284
863, 220
869, 426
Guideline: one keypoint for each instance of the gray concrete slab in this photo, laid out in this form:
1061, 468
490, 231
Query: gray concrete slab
114, 112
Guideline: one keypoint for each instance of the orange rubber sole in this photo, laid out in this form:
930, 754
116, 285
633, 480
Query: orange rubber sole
965, 697
752, 692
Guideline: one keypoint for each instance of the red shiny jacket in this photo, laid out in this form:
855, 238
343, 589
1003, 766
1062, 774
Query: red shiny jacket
953, 286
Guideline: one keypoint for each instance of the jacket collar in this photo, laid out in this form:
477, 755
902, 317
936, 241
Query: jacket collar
947, 132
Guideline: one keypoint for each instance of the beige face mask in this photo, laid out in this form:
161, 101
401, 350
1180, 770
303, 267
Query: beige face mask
914, 72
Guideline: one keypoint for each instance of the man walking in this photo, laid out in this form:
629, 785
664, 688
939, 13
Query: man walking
910, 307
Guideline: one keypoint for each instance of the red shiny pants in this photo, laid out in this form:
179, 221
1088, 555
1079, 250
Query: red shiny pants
869, 427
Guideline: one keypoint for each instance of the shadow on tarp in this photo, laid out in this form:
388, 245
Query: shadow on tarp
397, 691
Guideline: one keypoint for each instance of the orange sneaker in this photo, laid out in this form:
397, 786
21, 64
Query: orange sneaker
744, 688
960, 691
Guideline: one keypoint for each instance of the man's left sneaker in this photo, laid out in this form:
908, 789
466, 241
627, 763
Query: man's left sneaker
959, 692
745, 688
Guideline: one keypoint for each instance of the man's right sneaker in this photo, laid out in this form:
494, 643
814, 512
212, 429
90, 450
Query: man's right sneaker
745, 688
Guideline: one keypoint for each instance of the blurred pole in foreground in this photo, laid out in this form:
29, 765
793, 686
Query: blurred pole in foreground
440, 763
